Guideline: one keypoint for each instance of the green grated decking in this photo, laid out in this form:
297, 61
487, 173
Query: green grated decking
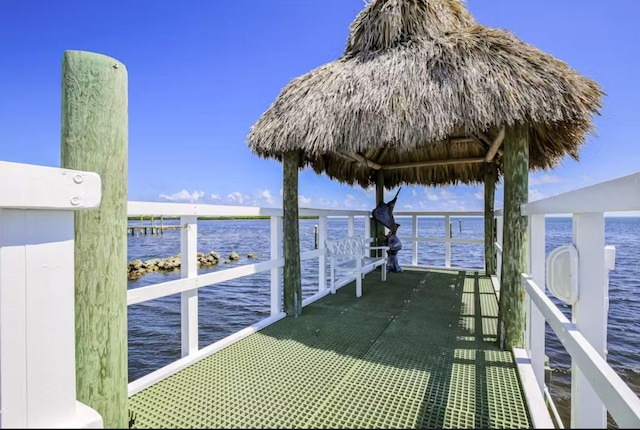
416, 351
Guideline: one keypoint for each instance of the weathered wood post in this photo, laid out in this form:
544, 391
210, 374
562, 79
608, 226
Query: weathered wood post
94, 138
291, 234
377, 229
514, 241
490, 179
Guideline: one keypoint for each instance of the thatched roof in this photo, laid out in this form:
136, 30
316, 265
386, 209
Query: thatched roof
421, 82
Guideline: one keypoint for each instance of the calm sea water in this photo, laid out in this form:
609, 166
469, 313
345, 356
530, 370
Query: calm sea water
154, 326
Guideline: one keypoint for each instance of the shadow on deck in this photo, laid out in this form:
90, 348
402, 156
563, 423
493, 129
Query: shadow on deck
416, 351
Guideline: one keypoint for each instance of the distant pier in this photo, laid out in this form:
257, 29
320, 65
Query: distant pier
151, 228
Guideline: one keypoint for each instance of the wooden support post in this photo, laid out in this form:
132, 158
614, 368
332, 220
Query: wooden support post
378, 229
514, 243
490, 179
95, 139
291, 235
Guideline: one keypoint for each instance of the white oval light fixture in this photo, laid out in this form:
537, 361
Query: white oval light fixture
562, 273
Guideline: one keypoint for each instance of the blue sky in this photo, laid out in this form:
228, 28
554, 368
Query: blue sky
202, 72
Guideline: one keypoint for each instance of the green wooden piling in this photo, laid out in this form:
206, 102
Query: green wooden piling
490, 179
94, 138
376, 227
514, 241
291, 235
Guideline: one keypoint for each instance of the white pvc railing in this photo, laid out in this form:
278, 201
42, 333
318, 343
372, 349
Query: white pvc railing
447, 239
37, 327
36, 291
595, 386
190, 281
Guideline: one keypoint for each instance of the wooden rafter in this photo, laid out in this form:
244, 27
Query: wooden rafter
489, 142
362, 160
493, 149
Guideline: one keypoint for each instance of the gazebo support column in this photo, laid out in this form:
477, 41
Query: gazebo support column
378, 229
514, 252
490, 179
291, 235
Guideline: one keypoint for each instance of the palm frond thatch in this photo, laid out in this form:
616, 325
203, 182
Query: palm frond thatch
419, 82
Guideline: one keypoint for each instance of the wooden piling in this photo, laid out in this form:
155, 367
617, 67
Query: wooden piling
490, 179
95, 138
514, 242
376, 227
291, 234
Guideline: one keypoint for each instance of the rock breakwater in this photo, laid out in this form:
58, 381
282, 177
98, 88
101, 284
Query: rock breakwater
138, 268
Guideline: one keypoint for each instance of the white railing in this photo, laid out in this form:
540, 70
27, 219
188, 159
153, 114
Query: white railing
595, 386
37, 327
190, 281
447, 238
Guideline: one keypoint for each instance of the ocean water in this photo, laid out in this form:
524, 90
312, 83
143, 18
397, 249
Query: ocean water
154, 326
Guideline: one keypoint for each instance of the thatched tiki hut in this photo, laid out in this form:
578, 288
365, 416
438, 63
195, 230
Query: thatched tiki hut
423, 95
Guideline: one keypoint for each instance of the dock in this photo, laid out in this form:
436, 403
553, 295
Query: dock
416, 351
150, 229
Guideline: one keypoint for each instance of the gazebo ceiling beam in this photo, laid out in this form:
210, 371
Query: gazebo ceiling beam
433, 163
362, 160
495, 146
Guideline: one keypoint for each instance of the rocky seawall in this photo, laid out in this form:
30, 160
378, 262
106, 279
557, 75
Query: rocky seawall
138, 268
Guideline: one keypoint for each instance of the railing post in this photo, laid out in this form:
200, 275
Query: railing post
276, 272
37, 311
535, 326
499, 229
447, 245
322, 260
589, 314
350, 225
189, 269
414, 245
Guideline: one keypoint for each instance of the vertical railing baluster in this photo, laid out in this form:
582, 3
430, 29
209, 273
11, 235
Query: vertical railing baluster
189, 269
276, 272
414, 233
322, 260
447, 246
350, 225
589, 314
367, 226
535, 321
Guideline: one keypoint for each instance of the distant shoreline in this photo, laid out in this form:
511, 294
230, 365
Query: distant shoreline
210, 218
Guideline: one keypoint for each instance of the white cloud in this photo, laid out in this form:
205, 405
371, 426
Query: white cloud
432, 196
183, 196
479, 195
535, 195
543, 179
446, 194
304, 201
266, 197
215, 197
236, 198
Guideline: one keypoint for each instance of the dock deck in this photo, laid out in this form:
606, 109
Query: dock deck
416, 351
